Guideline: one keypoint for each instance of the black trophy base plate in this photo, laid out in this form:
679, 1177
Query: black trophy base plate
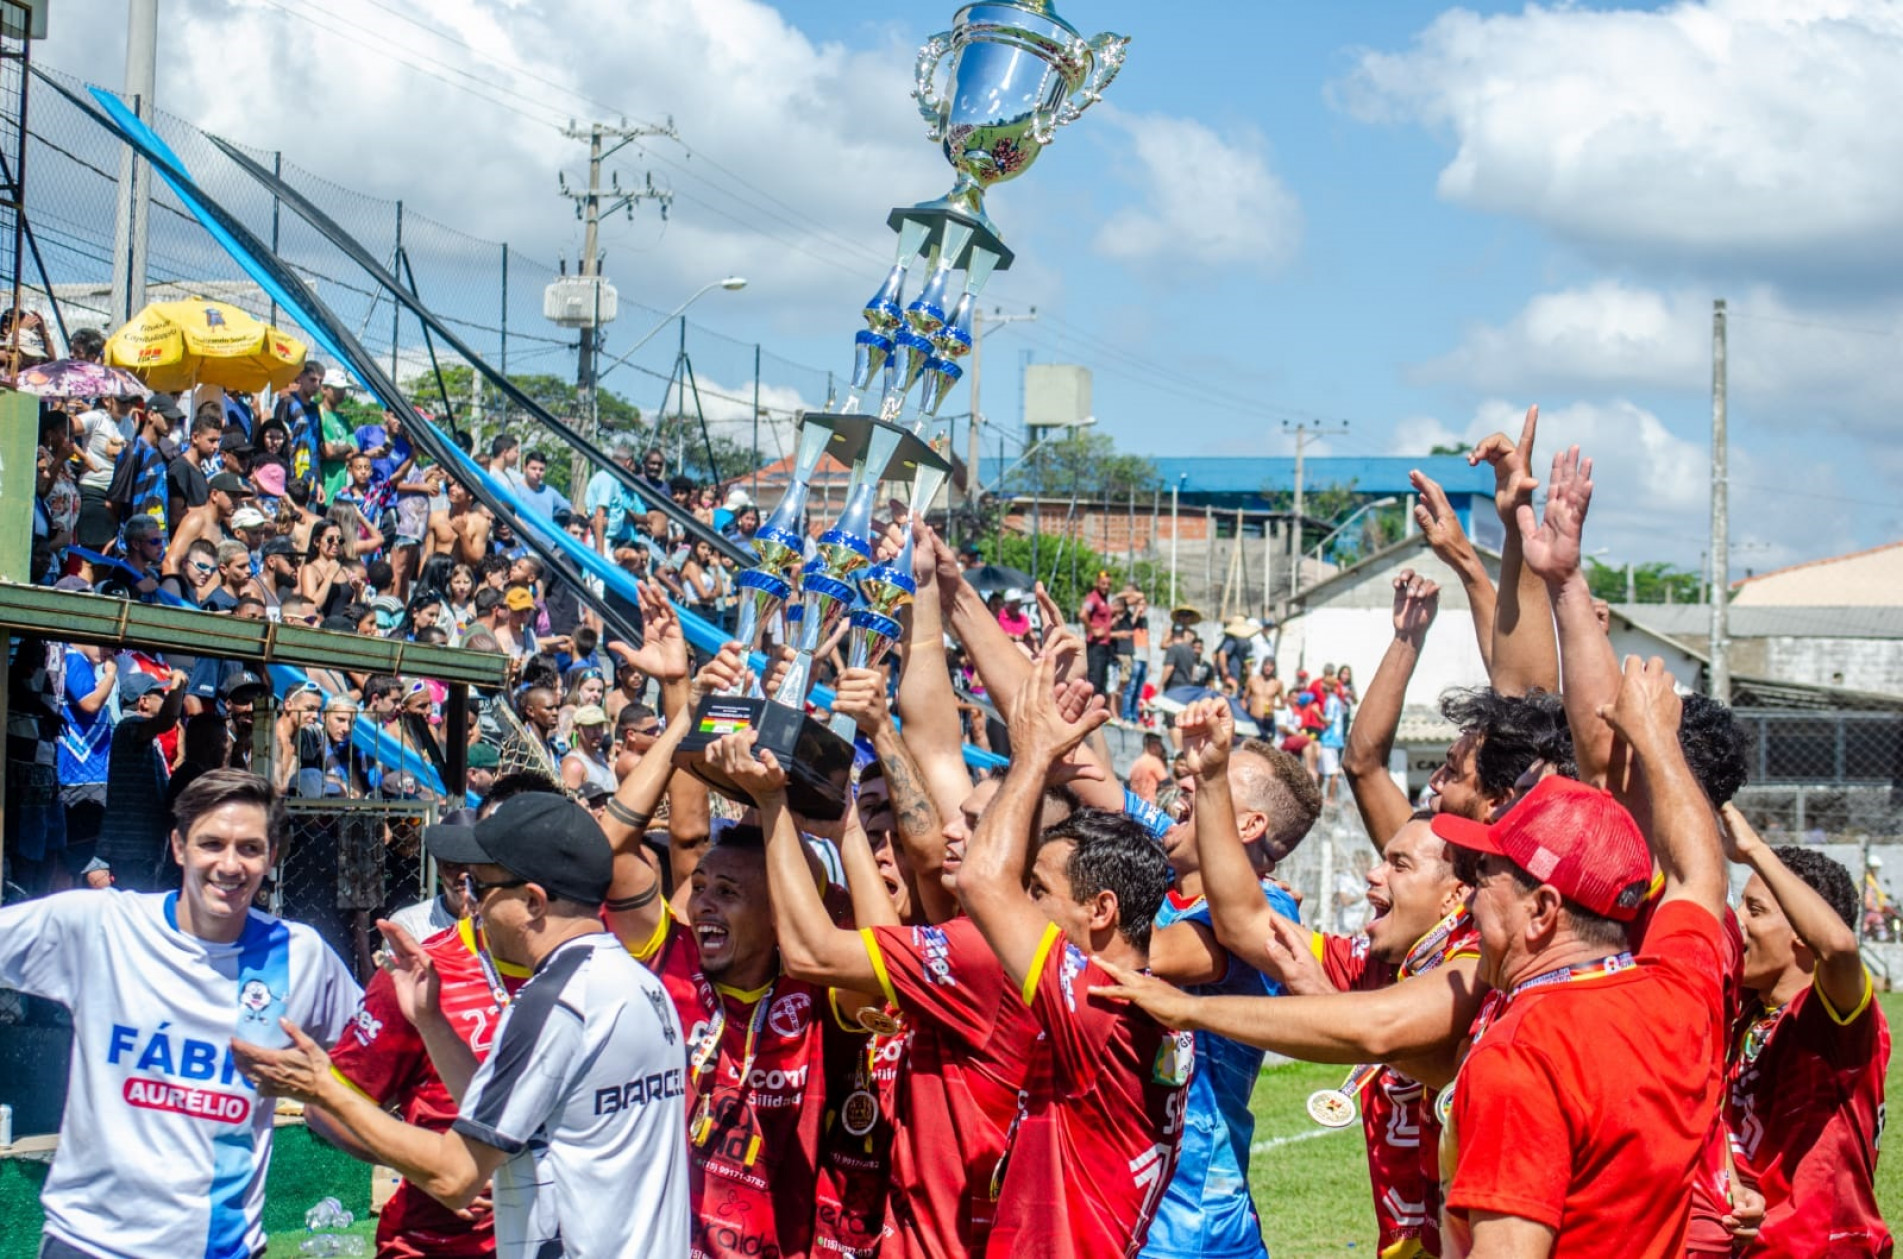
818, 762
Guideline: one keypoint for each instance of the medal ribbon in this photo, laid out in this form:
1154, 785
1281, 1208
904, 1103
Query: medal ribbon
710, 1051
1428, 952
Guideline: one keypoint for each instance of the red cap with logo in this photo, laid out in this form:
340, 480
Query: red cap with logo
1572, 837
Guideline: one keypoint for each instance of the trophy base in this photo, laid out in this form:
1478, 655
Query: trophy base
984, 235
818, 762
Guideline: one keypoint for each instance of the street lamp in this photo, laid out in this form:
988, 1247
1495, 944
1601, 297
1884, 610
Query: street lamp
732, 284
1354, 515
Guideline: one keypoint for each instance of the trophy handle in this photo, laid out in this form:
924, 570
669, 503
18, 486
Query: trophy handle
931, 106
1106, 58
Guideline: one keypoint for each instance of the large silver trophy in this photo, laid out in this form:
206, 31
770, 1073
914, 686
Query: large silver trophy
1017, 73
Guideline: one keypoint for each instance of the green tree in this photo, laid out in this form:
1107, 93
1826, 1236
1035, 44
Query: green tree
1054, 563
1458, 448
1654, 582
1086, 462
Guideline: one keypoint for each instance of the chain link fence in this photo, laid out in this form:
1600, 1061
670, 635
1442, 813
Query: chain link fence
343, 864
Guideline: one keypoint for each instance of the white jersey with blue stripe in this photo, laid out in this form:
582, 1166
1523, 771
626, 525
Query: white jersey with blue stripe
164, 1146
1207, 1209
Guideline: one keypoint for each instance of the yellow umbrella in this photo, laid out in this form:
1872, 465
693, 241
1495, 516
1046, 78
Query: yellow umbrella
172, 346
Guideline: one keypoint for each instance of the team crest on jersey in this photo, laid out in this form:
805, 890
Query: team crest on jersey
1174, 1056
365, 1026
663, 1012
789, 1014
254, 996
935, 951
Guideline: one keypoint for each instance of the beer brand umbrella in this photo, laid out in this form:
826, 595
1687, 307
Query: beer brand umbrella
78, 378
173, 346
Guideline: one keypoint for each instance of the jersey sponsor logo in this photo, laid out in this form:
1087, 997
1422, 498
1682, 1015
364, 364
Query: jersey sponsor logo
365, 1026
790, 1014
255, 995
935, 951
1067, 975
180, 1099
640, 1091
159, 1054
774, 1082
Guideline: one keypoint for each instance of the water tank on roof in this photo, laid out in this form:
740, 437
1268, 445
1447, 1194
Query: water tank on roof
580, 301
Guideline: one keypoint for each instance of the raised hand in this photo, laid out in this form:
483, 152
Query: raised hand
1208, 727
1439, 523
761, 776
726, 672
927, 567
1050, 719
861, 695
1513, 480
1416, 601
662, 654
413, 977
1647, 710
1551, 547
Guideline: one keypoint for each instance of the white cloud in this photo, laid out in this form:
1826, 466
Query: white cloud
824, 136
1651, 486
1761, 130
1209, 200
1787, 363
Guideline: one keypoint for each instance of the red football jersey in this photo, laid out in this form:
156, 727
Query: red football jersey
1397, 1113
971, 1041
855, 1143
1097, 1144
1805, 1109
383, 1057
755, 1102
1586, 1105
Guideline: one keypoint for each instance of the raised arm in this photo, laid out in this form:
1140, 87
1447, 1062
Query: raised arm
1048, 722
927, 703
811, 947
1525, 656
1681, 830
1238, 911
1384, 806
1840, 974
860, 694
1440, 526
1589, 669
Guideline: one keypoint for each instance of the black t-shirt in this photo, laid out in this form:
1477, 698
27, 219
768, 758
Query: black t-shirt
1121, 630
185, 480
1179, 666
1236, 652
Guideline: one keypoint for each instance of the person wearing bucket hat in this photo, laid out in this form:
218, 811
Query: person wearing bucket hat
576, 1110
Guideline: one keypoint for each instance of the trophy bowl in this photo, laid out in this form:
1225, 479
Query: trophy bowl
1018, 72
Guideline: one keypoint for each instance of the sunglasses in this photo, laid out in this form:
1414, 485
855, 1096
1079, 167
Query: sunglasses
476, 890
201, 568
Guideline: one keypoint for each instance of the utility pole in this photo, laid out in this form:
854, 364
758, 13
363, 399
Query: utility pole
1720, 645
135, 177
588, 208
973, 488
1304, 432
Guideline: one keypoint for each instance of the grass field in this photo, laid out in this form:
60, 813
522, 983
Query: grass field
1312, 1183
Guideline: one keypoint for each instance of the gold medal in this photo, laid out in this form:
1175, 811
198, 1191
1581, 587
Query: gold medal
1331, 1108
1444, 1104
860, 1114
879, 1022
703, 1124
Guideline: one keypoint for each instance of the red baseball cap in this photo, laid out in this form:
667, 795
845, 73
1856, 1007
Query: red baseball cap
1570, 836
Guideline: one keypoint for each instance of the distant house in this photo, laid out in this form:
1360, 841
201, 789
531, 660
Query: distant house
1861, 579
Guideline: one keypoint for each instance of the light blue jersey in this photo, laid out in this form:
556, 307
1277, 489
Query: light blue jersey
1207, 1209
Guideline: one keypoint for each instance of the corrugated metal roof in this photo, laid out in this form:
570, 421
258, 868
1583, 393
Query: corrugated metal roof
1694, 619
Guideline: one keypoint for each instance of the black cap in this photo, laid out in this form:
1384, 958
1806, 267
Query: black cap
231, 483
235, 442
546, 839
166, 405
277, 546
242, 685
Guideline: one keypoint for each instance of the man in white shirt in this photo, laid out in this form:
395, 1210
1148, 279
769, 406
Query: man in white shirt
578, 1111
164, 1146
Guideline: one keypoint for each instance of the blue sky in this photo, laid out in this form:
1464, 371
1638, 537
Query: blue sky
1414, 218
